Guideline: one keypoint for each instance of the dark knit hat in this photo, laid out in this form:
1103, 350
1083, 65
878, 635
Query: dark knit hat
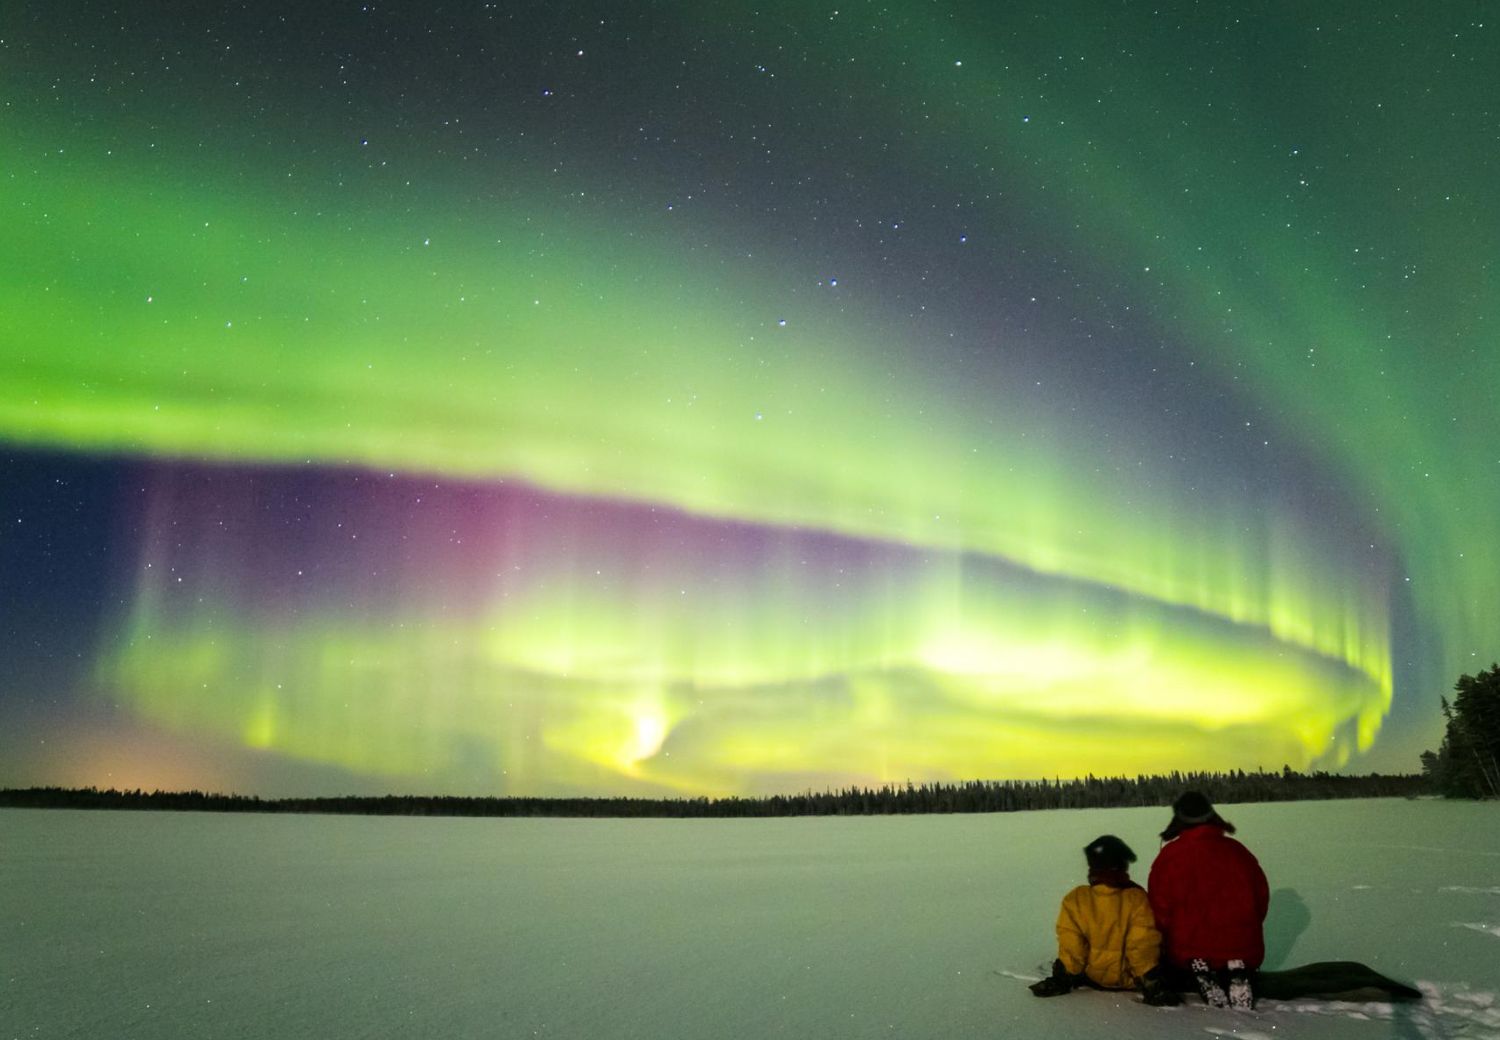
1192, 807
1109, 853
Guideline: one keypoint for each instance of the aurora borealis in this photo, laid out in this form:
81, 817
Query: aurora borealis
740, 398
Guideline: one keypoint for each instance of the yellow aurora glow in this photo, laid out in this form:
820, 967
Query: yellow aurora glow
588, 647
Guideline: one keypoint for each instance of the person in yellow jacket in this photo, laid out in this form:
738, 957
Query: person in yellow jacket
1106, 936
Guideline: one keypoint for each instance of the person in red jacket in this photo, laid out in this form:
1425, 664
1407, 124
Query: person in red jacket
1209, 897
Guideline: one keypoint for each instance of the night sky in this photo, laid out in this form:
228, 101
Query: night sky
720, 398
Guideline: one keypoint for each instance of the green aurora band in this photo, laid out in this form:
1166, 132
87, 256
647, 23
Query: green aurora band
190, 310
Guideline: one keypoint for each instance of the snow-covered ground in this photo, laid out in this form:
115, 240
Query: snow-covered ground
133, 924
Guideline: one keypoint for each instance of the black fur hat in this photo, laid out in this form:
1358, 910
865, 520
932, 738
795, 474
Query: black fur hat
1109, 853
1191, 809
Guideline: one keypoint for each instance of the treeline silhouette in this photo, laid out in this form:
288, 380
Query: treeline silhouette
969, 797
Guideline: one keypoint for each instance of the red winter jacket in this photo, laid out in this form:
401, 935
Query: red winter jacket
1209, 896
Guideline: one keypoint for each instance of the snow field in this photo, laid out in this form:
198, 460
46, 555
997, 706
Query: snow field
145, 925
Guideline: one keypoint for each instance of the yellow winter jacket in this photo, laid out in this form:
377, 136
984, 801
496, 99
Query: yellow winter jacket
1108, 934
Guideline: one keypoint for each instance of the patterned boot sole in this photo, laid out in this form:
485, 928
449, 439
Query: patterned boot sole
1241, 997
1208, 986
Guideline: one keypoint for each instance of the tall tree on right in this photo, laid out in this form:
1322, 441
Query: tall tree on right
1467, 763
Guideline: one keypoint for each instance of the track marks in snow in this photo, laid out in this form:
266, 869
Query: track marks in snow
1341, 1008
1477, 926
1477, 1012
1443, 1013
1419, 1019
1035, 976
1434, 848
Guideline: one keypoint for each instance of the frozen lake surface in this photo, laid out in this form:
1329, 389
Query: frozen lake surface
135, 924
